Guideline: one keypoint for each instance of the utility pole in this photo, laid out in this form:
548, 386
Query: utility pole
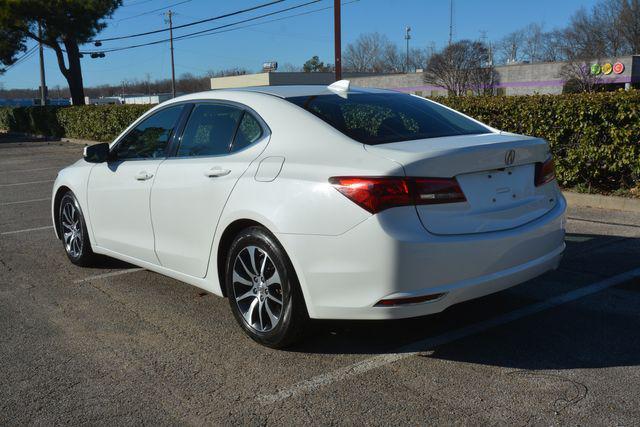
336, 37
450, 21
173, 70
407, 37
43, 84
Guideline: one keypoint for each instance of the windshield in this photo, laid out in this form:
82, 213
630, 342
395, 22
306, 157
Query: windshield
380, 118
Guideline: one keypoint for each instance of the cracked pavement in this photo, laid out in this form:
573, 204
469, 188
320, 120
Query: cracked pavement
140, 348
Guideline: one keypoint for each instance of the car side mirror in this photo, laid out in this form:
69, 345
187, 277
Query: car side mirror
97, 153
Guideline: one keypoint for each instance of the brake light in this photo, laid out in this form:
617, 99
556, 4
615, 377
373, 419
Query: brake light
376, 194
545, 172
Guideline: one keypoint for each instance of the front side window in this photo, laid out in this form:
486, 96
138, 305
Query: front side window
210, 130
380, 118
149, 139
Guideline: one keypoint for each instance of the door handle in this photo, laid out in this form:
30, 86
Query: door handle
216, 172
143, 176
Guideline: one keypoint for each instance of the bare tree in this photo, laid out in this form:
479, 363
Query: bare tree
533, 39
510, 47
235, 71
290, 68
418, 58
553, 46
599, 32
372, 52
462, 67
578, 77
606, 16
630, 24
530, 44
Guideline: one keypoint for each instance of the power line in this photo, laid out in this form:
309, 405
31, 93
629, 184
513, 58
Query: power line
153, 10
203, 32
28, 54
190, 23
308, 12
135, 3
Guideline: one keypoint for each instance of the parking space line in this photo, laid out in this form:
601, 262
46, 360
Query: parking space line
595, 221
26, 183
416, 347
24, 201
26, 230
105, 275
32, 170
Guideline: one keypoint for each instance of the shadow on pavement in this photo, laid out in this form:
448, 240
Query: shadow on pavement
599, 330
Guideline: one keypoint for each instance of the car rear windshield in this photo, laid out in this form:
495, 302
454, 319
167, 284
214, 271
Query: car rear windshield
380, 118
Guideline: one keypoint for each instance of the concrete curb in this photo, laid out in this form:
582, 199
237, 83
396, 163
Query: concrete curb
79, 141
582, 200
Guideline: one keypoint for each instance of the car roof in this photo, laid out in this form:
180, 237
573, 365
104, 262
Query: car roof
289, 91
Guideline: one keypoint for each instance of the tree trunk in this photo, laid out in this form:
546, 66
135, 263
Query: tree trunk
74, 72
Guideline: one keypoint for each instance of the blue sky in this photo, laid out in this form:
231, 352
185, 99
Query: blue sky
289, 40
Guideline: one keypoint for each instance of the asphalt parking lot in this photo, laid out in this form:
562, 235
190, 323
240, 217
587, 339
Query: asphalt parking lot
116, 344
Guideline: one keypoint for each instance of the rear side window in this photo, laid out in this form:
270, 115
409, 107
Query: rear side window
248, 132
210, 130
380, 118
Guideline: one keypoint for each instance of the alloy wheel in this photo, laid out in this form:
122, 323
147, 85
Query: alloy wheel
257, 289
71, 229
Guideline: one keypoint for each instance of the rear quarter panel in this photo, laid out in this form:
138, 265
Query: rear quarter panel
300, 199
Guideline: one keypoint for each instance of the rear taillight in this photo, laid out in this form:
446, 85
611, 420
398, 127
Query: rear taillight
545, 172
376, 194
430, 191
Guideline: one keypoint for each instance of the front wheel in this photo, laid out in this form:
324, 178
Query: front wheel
263, 290
73, 230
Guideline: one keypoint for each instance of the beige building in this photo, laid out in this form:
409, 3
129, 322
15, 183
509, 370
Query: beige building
272, 78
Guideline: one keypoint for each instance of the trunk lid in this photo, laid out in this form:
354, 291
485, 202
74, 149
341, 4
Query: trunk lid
500, 191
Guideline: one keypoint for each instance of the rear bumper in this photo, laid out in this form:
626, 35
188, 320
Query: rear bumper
390, 256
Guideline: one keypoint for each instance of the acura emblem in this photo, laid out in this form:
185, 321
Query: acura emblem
510, 157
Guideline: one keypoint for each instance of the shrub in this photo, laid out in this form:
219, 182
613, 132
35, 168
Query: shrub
36, 120
594, 137
91, 122
98, 122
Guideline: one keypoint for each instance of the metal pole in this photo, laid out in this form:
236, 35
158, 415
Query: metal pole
407, 37
338, 43
43, 84
450, 21
173, 70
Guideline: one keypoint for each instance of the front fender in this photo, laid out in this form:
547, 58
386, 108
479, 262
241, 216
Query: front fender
73, 178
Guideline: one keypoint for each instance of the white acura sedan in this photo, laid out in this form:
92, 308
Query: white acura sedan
300, 202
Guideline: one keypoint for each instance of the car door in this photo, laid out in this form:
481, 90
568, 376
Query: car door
119, 190
190, 190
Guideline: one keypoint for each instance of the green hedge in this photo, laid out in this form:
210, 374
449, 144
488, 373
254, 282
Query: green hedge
92, 122
594, 137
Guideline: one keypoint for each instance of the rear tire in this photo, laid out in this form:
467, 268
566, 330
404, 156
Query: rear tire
263, 290
73, 231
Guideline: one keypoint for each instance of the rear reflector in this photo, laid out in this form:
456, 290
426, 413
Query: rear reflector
376, 194
545, 172
412, 300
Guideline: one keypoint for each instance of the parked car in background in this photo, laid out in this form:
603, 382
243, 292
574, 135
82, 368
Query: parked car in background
300, 202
